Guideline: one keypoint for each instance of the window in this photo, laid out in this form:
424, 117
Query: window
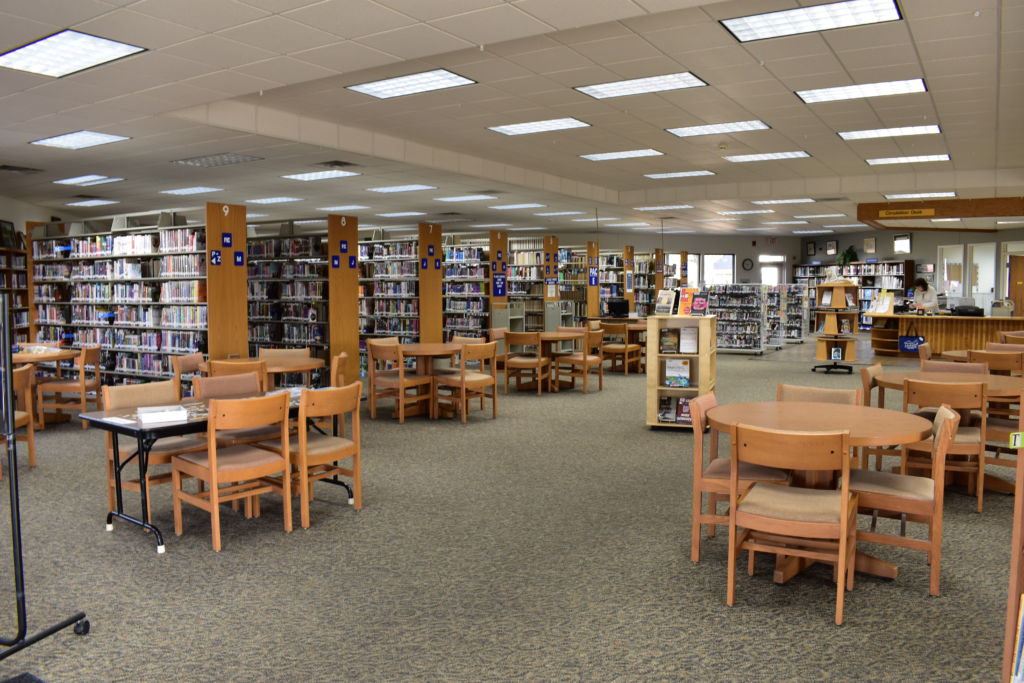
901, 244
693, 270
719, 269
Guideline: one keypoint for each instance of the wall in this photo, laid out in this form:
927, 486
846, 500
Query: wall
18, 212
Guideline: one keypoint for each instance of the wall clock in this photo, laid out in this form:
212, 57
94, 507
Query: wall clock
747, 264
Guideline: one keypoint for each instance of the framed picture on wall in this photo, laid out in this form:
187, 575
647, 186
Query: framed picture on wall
832, 247
7, 235
869, 245
901, 244
812, 248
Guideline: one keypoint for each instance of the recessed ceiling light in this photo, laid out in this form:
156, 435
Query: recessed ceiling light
679, 232
743, 158
848, 225
560, 213
821, 215
889, 132
490, 225
718, 220
920, 195
505, 207
628, 225
65, 53
805, 200
86, 180
751, 229
199, 189
718, 128
677, 174
426, 81
785, 222
639, 86
748, 212
401, 214
464, 198
92, 202
599, 218
256, 215
401, 188
79, 140
664, 207
1009, 222
310, 221
811, 232
628, 154
273, 200
808, 19
216, 160
852, 92
539, 126
908, 160
320, 175
945, 220
345, 207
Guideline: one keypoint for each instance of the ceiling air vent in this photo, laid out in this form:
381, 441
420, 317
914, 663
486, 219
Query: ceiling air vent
215, 160
335, 164
831, 199
25, 170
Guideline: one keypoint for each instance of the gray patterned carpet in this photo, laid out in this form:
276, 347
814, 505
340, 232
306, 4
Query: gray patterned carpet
551, 544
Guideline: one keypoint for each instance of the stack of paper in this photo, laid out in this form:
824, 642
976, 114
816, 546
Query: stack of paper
154, 414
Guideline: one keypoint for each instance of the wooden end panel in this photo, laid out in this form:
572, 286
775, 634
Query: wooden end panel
343, 290
628, 281
498, 251
593, 290
684, 276
31, 298
431, 253
226, 281
659, 271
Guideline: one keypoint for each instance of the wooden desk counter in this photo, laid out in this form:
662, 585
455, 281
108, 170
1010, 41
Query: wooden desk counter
942, 332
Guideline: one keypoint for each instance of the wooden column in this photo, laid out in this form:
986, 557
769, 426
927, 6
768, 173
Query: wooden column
550, 268
498, 251
659, 272
343, 290
226, 277
628, 282
593, 286
431, 263
31, 298
683, 275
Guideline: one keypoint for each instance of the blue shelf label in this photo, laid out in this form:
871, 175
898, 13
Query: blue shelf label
547, 270
494, 266
498, 288
547, 256
343, 246
423, 264
430, 250
504, 266
352, 261
499, 254
239, 258
215, 257
871, 260
437, 262
592, 276
335, 261
225, 239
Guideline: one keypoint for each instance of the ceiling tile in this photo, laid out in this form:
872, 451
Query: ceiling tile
492, 25
414, 41
137, 29
201, 14
231, 83
218, 52
567, 14
346, 57
284, 70
276, 6
552, 60
586, 34
437, 9
46, 10
350, 18
281, 35
622, 49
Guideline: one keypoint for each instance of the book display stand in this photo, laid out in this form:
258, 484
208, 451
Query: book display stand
681, 361
836, 319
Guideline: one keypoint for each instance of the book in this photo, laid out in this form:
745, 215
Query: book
667, 409
688, 340
826, 298
844, 326
665, 302
686, 301
668, 341
837, 353
677, 372
156, 414
850, 301
683, 411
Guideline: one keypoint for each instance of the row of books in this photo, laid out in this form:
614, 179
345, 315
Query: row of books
303, 290
527, 258
183, 265
464, 254
288, 334
390, 269
120, 292
398, 326
284, 247
464, 288
464, 322
147, 363
182, 239
826, 299
387, 250
526, 273
465, 271
678, 340
398, 288
464, 306
394, 306
14, 280
674, 409
286, 269
183, 291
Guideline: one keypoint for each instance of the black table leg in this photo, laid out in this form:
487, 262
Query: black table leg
144, 444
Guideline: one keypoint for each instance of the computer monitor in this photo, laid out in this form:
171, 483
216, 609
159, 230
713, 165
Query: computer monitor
618, 308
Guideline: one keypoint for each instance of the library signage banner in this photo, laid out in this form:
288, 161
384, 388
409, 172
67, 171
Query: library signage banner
498, 288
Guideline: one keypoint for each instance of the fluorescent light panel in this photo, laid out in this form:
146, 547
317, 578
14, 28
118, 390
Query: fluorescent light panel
786, 222
765, 202
86, 180
426, 81
677, 174
715, 220
920, 195
505, 207
401, 214
320, 175
809, 19
664, 207
812, 232
519, 229
848, 225
629, 225
79, 140
718, 128
924, 158
627, 154
743, 158
464, 198
92, 202
599, 218
539, 126
491, 225
273, 200
889, 132
198, 189
64, 53
945, 220
560, 213
852, 92
748, 212
346, 207
821, 215
752, 229
639, 86
217, 160
401, 188
1009, 222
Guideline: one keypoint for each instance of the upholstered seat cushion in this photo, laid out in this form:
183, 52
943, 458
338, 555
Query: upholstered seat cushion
792, 504
20, 418
127, 447
390, 380
471, 378
227, 436
525, 361
234, 458
620, 348
318, 444
891, 484
719, 469
1001, 424
69, 386
580, 359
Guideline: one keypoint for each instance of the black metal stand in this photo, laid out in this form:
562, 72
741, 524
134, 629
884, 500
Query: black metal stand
7, 405
834, 367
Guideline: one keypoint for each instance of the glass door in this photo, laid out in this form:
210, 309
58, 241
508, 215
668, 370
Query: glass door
981, 276
950, 275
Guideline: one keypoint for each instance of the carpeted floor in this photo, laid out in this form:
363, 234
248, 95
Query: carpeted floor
550, 544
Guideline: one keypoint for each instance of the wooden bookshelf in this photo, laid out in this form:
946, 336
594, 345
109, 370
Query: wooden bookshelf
465, 290
836, 323
662, 398
14, 283
526, 280
343, 290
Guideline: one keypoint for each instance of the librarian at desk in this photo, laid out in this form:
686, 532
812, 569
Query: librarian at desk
925, 297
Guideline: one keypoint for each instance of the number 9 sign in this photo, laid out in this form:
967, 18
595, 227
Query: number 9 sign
225, 209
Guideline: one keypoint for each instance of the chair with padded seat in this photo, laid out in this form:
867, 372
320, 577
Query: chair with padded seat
245, 385
127, 396
299, 353
924, 351
909, 497
497, 334
23, 415
337, 376
711, 475
390, 378
186, 368
586, 359
869, 382
475, 377
796, 392
225, 368
999, 346
619, 350
88, 361
528, 364
951, 366
239, 472
791, 521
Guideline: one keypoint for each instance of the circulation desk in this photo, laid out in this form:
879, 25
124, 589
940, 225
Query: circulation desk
942, 332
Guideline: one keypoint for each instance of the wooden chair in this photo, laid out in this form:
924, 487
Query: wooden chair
968, 442
1011, 337
950, 366
997, 434
223, 368
337, 378
497, 334
22, 380
88, 361
186, 368
452, 367
816, 524
125, 396
475, 375
241, 472
585, 360
617, 347
869, 381
245, 385
924, 351
993, 346
525, 363
918, 499
998, 362
711, 475
318, 457
795, 392
389, 378
303, 353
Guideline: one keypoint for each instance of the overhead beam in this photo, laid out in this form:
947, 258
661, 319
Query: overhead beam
991, 207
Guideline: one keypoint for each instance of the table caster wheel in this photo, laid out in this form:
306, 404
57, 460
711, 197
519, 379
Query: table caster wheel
82, 627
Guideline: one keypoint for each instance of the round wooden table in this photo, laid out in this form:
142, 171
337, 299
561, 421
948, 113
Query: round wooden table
52, 354
995, 385
425, 353
549, 339
955, 355
275, 365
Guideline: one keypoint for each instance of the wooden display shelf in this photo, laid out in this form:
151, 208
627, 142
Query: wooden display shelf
702, 366
836, 343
